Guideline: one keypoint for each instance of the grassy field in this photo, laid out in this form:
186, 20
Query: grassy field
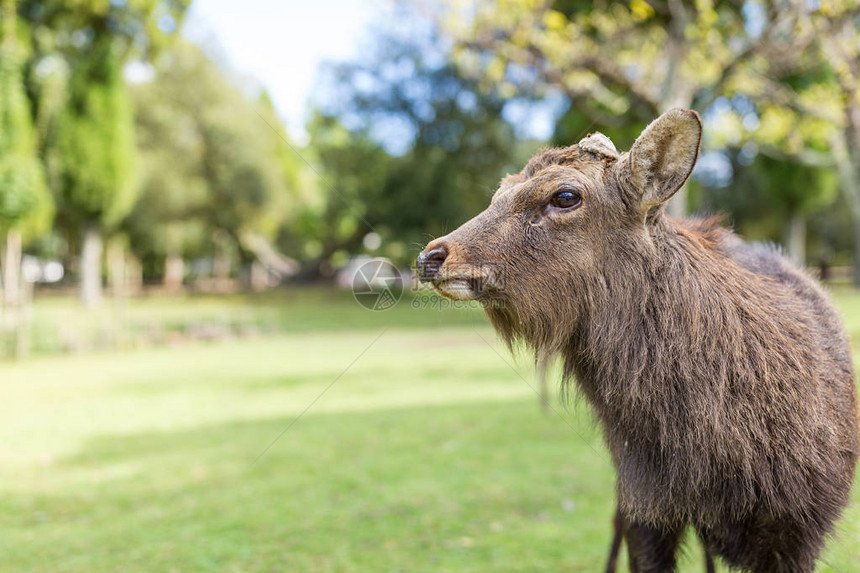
425, 452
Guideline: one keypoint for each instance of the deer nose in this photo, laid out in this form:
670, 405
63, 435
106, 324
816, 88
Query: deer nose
429, 262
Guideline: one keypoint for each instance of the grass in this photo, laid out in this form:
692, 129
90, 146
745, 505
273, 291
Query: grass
427, 453
60, 325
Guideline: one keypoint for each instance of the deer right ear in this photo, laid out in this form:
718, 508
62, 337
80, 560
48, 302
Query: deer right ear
663, 156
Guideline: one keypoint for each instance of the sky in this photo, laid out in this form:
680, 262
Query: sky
281, 43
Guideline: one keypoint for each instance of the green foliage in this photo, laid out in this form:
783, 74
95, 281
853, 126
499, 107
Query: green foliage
412, 138
410, 148
617, 59
23, 193
355, 169
622, 63
93, 159
573, 125
764, 193
78, 50
211, 160
239, 163
792, 186
172, 189
286, 172
139, 28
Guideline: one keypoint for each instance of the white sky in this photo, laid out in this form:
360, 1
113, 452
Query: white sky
281, 43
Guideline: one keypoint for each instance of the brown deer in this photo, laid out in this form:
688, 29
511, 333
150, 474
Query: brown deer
719, 372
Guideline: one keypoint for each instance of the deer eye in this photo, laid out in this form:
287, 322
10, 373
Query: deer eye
566, 199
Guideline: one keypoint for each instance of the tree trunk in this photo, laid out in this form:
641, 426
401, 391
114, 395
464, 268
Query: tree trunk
849, 182
16, 299
11, 293
174, 271
116, 271
222, 263
22, 332
12, 270
134, 276
675, 91
795, 238
116, 268
855, 270
91, 267
221, 270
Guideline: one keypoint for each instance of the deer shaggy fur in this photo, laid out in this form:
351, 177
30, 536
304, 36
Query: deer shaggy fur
719, 371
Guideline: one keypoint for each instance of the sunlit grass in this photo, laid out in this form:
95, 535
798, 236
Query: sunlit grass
60, 325
429, 453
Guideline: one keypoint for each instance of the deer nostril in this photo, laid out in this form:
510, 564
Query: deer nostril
437, 255
429, 263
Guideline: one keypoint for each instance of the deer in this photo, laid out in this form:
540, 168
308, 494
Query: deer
717, 369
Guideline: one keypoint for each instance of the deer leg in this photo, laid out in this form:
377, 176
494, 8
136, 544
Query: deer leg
617, 536
709, 562
652, 550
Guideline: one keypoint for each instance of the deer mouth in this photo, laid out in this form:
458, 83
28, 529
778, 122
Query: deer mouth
457, 288
476, 284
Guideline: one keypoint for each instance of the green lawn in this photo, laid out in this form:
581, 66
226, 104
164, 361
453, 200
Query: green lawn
428, 453
60, 325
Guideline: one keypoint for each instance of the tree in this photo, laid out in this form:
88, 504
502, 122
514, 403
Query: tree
769, 197
24, 196
90, 152
93, 159
22, 185
164, 226
808, 110
836, 27
212, 166
354, 170
409, 148
622, 63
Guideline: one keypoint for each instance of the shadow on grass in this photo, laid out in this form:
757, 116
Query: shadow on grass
492, 486
251, 383
479, 487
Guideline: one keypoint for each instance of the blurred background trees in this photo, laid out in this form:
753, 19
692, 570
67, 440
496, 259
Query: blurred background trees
838, 47
215, 176
93, 159
90, 151
621, 64
410, 145
24, 197
119, 131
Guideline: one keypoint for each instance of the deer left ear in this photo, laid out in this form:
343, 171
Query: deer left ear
663, 156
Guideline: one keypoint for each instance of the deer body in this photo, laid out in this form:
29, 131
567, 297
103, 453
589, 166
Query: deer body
732, 407
720, 373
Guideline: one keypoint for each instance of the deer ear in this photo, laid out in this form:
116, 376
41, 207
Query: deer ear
663, 156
